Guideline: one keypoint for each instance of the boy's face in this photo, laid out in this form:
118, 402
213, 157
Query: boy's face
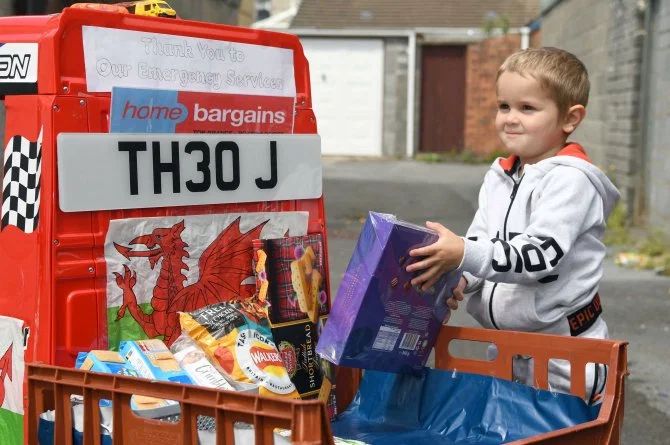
527, 121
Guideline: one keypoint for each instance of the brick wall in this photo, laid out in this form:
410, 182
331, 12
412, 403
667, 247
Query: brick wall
622, 90
482, 62
606, 36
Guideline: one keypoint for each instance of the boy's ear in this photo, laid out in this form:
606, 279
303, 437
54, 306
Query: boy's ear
573, 118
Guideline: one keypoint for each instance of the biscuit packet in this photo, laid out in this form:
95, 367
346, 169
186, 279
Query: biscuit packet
241, 344
290, 275
197, 365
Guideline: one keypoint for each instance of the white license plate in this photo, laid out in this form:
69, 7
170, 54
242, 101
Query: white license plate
126, 171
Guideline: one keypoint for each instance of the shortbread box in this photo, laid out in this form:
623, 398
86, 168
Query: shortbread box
296, 343
290, 275
378, 319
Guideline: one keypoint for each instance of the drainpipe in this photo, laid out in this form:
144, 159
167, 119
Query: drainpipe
411, 92
525, 37
641, 200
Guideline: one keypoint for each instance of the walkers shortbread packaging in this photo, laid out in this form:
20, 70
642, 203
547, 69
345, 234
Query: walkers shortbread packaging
378, 319
296, 343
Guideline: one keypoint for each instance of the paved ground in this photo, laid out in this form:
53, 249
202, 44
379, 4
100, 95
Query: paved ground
636, 304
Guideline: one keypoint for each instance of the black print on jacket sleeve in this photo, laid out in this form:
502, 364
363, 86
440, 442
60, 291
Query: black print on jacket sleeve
549, 242
508, 264
535, 262
519, 264
528, 261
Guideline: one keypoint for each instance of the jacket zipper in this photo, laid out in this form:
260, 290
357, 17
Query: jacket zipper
511, 201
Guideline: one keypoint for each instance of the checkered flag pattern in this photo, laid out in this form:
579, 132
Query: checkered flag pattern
21, 183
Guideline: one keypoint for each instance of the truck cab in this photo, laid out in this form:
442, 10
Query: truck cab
76, 85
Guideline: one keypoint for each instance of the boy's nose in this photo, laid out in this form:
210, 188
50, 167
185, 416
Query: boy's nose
512, 118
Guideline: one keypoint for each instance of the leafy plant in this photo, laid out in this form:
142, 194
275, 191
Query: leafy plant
618, 230
642, 248
464, 156
494, 21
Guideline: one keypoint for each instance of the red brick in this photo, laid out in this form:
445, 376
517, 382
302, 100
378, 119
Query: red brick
482, 62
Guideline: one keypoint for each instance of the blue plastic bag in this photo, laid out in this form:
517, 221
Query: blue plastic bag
45, 435
449, 408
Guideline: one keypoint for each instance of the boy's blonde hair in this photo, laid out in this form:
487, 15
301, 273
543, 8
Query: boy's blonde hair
559, 72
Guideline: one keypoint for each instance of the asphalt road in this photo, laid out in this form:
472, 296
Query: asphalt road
636, 304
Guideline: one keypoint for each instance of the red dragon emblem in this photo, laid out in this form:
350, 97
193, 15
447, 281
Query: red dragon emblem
5, 371
224, 267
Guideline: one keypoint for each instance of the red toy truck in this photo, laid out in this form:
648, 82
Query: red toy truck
108, 227
204, 193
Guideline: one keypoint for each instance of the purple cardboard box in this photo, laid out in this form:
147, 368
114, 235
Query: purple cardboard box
378, 320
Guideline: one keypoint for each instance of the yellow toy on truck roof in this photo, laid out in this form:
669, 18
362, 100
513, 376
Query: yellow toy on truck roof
150, 8
142, 7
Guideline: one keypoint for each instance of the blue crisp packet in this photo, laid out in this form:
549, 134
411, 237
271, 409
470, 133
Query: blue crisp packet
378, 319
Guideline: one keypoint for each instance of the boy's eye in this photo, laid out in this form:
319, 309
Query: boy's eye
528, 108
503, 106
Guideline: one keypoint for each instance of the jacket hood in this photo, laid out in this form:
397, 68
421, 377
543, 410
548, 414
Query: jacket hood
572, 155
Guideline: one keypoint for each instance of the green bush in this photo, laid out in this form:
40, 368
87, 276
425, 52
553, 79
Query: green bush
464, 156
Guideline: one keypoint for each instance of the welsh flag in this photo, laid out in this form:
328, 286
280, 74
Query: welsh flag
11, 381
157, 267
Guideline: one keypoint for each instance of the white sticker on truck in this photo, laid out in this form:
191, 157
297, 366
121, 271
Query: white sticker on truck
135, 59
18, 68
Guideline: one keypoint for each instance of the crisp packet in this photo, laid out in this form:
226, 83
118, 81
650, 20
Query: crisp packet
378, 319
242, 345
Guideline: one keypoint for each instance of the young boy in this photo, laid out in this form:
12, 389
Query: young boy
533, 256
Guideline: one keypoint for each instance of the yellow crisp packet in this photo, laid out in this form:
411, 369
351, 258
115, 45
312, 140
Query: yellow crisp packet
241, 345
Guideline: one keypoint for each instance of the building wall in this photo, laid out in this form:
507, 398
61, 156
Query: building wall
246, 14
394, 122
281, 5
214, 11
6, 7
482, 62
657, 181
608, 38
585, 35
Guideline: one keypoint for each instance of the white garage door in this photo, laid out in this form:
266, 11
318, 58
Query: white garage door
347, 83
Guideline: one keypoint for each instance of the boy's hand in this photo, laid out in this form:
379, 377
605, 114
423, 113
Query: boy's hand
443, 255
456, 296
